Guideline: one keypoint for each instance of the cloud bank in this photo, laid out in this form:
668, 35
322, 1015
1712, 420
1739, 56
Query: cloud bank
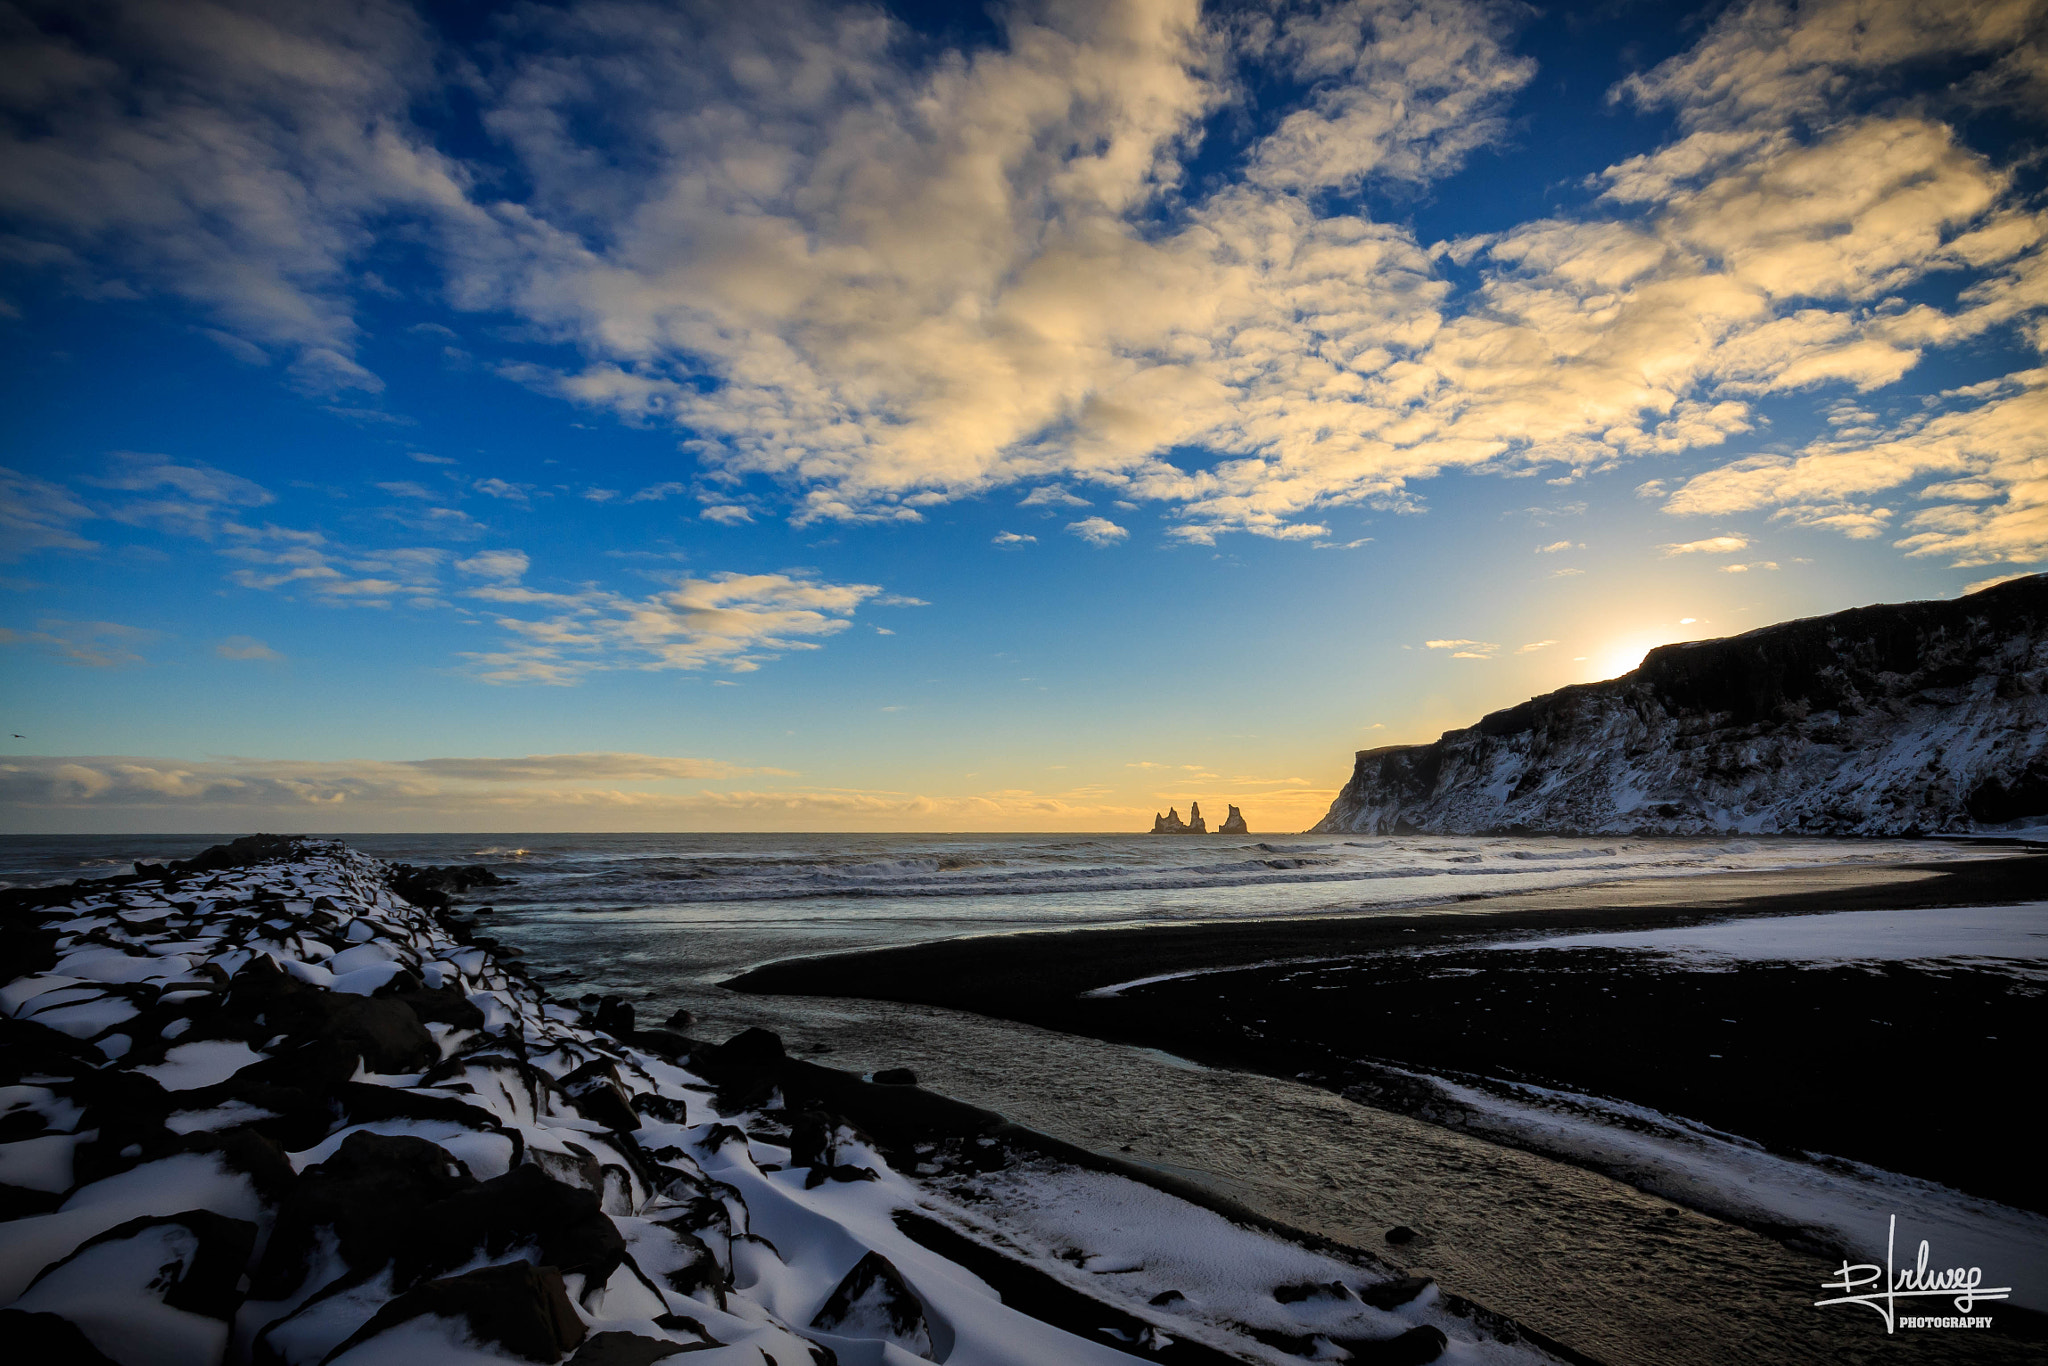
883, 274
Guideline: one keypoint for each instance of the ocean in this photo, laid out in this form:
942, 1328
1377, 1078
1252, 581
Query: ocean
673, 914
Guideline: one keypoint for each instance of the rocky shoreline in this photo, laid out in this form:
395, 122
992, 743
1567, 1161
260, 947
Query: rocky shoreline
281, 1104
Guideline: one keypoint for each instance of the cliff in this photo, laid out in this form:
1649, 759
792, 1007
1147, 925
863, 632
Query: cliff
1904, 718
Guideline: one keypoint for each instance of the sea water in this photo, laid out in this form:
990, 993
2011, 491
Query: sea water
682, 911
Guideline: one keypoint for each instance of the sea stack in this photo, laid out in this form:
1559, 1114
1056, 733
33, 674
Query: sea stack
1196, 825
1169, 824
1233, 824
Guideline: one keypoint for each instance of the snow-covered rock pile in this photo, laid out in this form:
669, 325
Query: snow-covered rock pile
1907, 718
260, 1108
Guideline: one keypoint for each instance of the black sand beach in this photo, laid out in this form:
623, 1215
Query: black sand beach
1818, 1063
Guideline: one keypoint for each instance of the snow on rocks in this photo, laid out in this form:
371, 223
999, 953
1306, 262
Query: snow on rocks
261, 1107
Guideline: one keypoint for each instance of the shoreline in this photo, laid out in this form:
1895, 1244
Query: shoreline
277, 1104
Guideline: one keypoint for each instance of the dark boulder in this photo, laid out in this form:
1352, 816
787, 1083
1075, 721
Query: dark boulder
624, 1349
371, 1194
596, 1092
1393, 1294
385, 1034
874, 1301
615, 1017
521, 1307
48, 1338
523, 1208
896, 1076
194, 1261
1419, 1345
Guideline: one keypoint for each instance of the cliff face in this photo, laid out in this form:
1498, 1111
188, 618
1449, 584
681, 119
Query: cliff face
1907, 718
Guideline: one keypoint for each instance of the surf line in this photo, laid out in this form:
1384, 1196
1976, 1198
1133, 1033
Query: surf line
1965, 1284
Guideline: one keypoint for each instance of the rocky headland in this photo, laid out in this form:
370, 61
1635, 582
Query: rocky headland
1897, 719
280, 1104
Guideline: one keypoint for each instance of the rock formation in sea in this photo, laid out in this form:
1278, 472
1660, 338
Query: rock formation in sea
1172, 824
1233, 824
1900, 718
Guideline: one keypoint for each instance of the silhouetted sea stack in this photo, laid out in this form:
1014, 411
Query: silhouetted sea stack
1898, 719
1172, 824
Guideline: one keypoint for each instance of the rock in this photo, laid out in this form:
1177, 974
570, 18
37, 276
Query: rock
680, 1019
1172, 824
1233, 824
370, 1195
666, 1042
1399, 1234
1393, 1294
1419, 1345
624, 1349
896, 1076
385, 1034
48, 1338
565, 1224
597, 1093
436, 888
1312, 1290
615, 1017
245, 852
1166, 1297
150, 1290
874, 1301
521, 1307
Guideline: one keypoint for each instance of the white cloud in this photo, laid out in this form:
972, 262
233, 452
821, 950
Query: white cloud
246, 647
1712, 545
496, 564
1977, 458
1011, 538
1052, 496
231, 153
731, 514
499, 488
1556, 546
87, 644
1533, 646
887, 276
37, 515
732, 621
1098, 531
1465, 649
186, 500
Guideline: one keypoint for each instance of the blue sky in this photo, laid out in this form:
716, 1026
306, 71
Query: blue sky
807, 416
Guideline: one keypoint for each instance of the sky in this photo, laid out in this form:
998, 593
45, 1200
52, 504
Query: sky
609, 415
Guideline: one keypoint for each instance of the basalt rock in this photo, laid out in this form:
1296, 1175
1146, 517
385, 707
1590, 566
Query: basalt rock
1233, 824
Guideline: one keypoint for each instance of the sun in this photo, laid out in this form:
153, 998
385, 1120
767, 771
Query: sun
1621, 656
1617, 659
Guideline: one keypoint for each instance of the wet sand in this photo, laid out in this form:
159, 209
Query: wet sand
1600, 1266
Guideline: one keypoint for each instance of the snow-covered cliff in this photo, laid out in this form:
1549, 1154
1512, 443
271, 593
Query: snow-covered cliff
1903, 718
